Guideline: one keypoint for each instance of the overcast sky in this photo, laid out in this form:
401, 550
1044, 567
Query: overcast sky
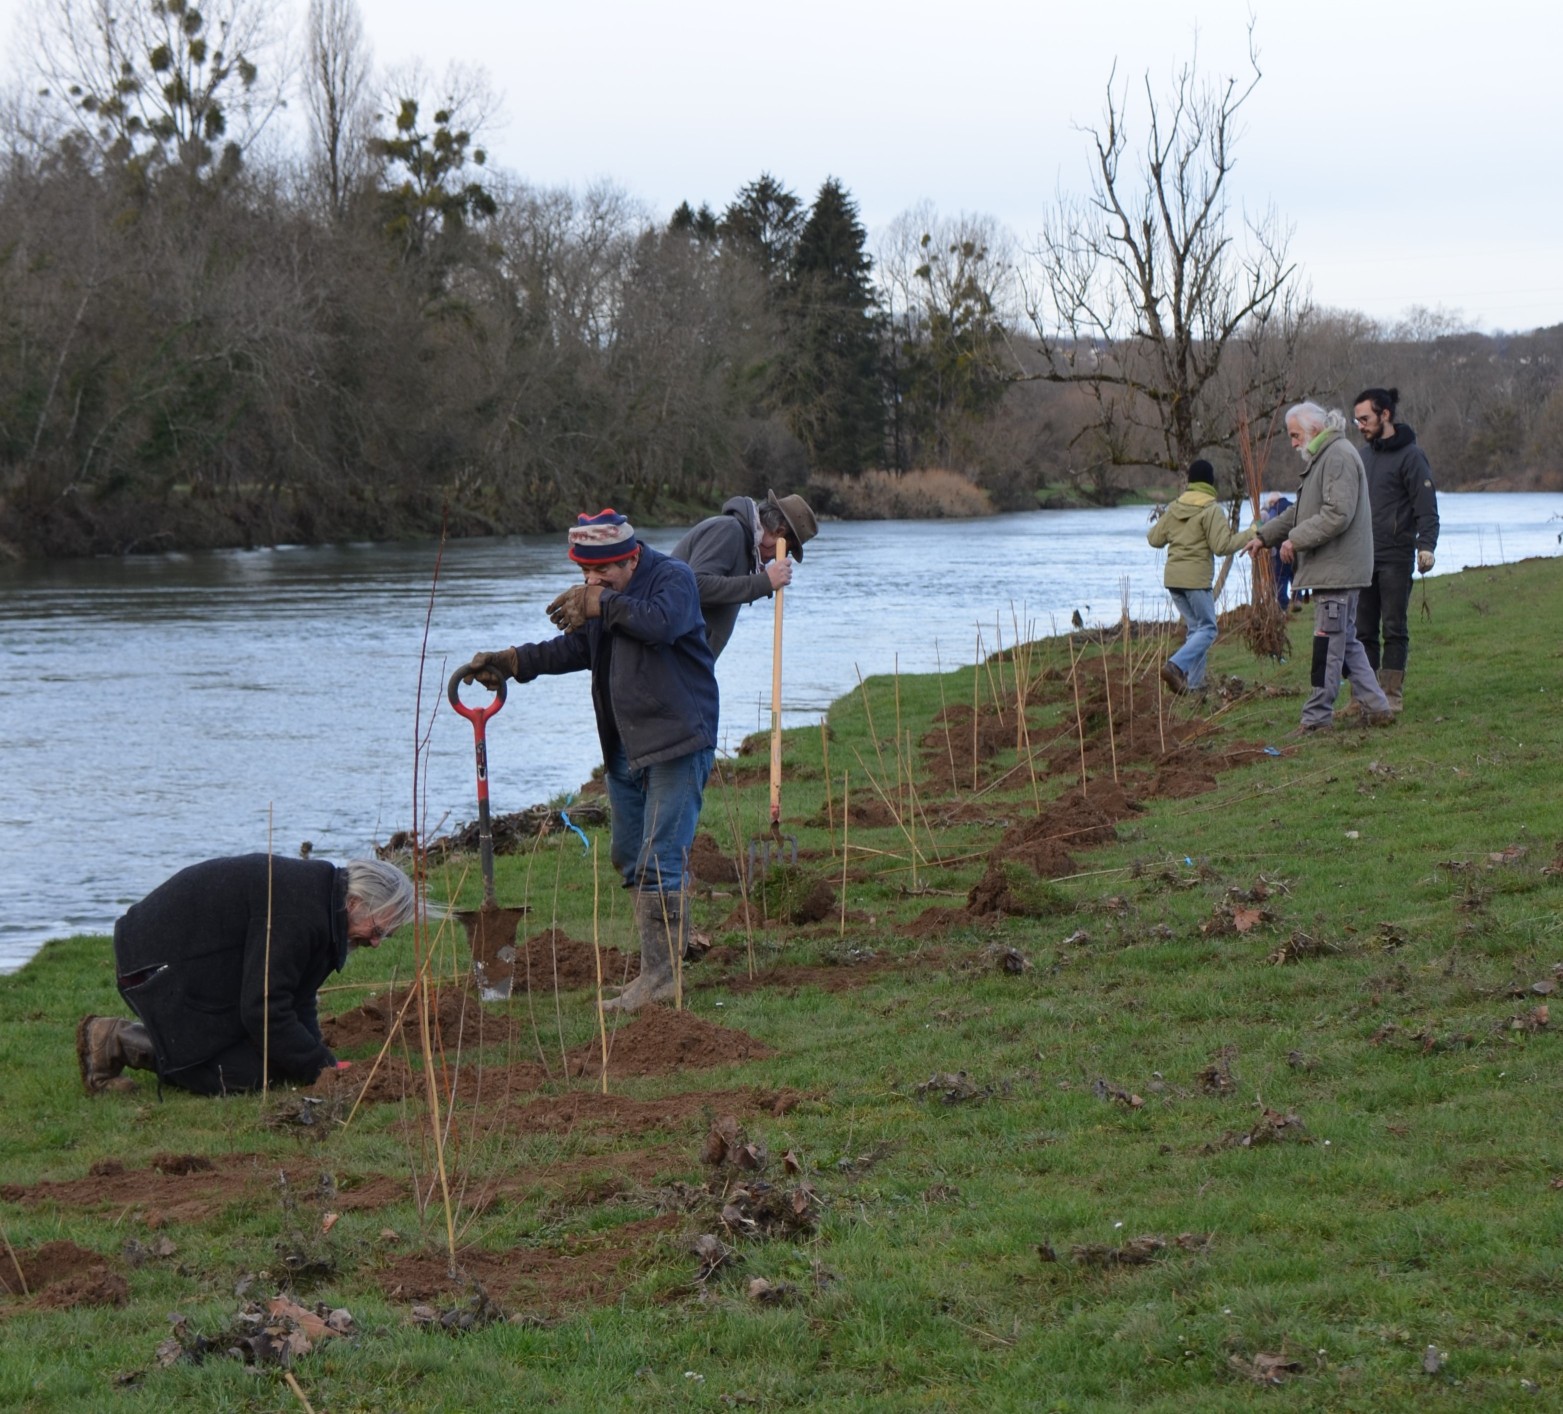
1413, 144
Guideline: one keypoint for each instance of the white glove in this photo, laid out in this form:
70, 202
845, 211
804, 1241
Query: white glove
1424, 560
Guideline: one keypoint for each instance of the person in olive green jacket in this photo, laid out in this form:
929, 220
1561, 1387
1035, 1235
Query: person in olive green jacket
1194, 529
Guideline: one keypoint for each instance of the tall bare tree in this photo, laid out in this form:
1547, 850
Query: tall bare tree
1147, 292
338, 98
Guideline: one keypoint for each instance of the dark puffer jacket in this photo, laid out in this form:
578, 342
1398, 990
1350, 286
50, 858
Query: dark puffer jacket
653, 676
721, 552
1405, 501
192, 958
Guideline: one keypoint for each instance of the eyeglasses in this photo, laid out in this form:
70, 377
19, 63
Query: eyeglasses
1364, 421
377, 931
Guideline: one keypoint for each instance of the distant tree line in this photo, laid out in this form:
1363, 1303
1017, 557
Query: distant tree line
212, 336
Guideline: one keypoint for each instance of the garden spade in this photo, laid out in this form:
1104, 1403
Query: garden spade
766, 850
491, 930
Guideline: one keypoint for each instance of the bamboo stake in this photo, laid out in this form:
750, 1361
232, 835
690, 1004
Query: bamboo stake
830, 814
10, 1251
298, 1390
897, 681
602, 1016
944, 716
846, 820
266, 971
868, 712
1074, 677
976, 707
1112, 742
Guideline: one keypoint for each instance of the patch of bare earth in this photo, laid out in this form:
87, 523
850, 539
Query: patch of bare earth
589, 1269
56, 1276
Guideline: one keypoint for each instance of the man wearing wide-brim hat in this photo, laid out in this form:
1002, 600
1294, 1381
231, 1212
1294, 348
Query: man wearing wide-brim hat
734, 558
635, 625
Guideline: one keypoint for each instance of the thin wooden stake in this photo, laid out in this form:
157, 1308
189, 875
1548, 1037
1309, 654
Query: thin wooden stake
846, 819
830, 814
602, 1017
1074, 677
1107, 682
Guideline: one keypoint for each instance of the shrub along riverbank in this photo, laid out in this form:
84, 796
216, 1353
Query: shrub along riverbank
1230, 1078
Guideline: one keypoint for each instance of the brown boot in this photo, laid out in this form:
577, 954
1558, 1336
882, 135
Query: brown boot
659, 919
1393, 681
106, 1045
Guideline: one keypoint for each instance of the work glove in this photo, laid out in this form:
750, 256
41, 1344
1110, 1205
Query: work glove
1424, 560
491, 669
578, 603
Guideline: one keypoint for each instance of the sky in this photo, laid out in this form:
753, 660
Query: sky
1412, 145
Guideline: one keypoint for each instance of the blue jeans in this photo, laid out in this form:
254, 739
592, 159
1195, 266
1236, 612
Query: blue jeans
655, 810
1198, 609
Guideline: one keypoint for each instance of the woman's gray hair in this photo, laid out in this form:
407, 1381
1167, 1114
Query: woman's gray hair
384, 891
1315, 419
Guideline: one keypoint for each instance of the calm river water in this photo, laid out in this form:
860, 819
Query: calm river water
158, 710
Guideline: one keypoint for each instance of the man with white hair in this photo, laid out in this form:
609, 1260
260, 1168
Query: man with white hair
221, 964
1327, 537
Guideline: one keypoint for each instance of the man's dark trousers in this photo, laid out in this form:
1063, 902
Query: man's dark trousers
1385, 606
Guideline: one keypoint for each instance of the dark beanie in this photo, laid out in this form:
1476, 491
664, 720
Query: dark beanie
1202, 471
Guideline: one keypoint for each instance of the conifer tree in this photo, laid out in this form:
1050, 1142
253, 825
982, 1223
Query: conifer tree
829, 384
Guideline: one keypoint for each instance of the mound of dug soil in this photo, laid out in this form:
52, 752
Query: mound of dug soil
59, 1275
659, 1041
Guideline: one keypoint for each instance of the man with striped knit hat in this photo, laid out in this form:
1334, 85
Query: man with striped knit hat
635, 624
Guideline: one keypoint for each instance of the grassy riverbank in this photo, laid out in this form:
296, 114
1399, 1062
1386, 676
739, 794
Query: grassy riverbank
1232, 1082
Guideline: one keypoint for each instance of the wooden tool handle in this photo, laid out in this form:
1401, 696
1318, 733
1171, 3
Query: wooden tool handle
776, 662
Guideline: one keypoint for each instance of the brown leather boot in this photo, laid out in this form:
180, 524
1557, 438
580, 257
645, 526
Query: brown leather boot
106, 1045
660, 919
1393, 681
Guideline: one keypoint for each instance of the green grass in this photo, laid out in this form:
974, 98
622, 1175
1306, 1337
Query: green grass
1415, 1207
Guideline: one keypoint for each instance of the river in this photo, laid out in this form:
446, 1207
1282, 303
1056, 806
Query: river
157, 710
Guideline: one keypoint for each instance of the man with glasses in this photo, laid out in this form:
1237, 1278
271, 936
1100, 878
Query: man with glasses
221, 964
1405, 534
635, 625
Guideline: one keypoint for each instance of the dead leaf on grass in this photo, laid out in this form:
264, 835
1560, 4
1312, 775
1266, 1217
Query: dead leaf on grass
1533, 1020
1105, 1090
1134, 1253
714, 1254
1216, 1078
1266, 1369
770, 1293
955, 1089
1508, 855
1302, 945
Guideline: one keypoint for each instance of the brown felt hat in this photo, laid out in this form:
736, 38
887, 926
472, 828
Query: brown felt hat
801, 525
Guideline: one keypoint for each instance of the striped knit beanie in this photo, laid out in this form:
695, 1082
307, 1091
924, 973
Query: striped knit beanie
602, 539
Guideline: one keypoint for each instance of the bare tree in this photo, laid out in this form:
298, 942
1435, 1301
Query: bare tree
1146, 293
337, 98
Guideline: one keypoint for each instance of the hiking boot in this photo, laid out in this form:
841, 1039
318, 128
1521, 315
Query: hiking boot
1393, 681
105, 1046
1311, 728
660, 920
1377, 719
1174, 677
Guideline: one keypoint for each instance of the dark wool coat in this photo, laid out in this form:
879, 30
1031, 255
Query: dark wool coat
192, 958
721, 552
653, 676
